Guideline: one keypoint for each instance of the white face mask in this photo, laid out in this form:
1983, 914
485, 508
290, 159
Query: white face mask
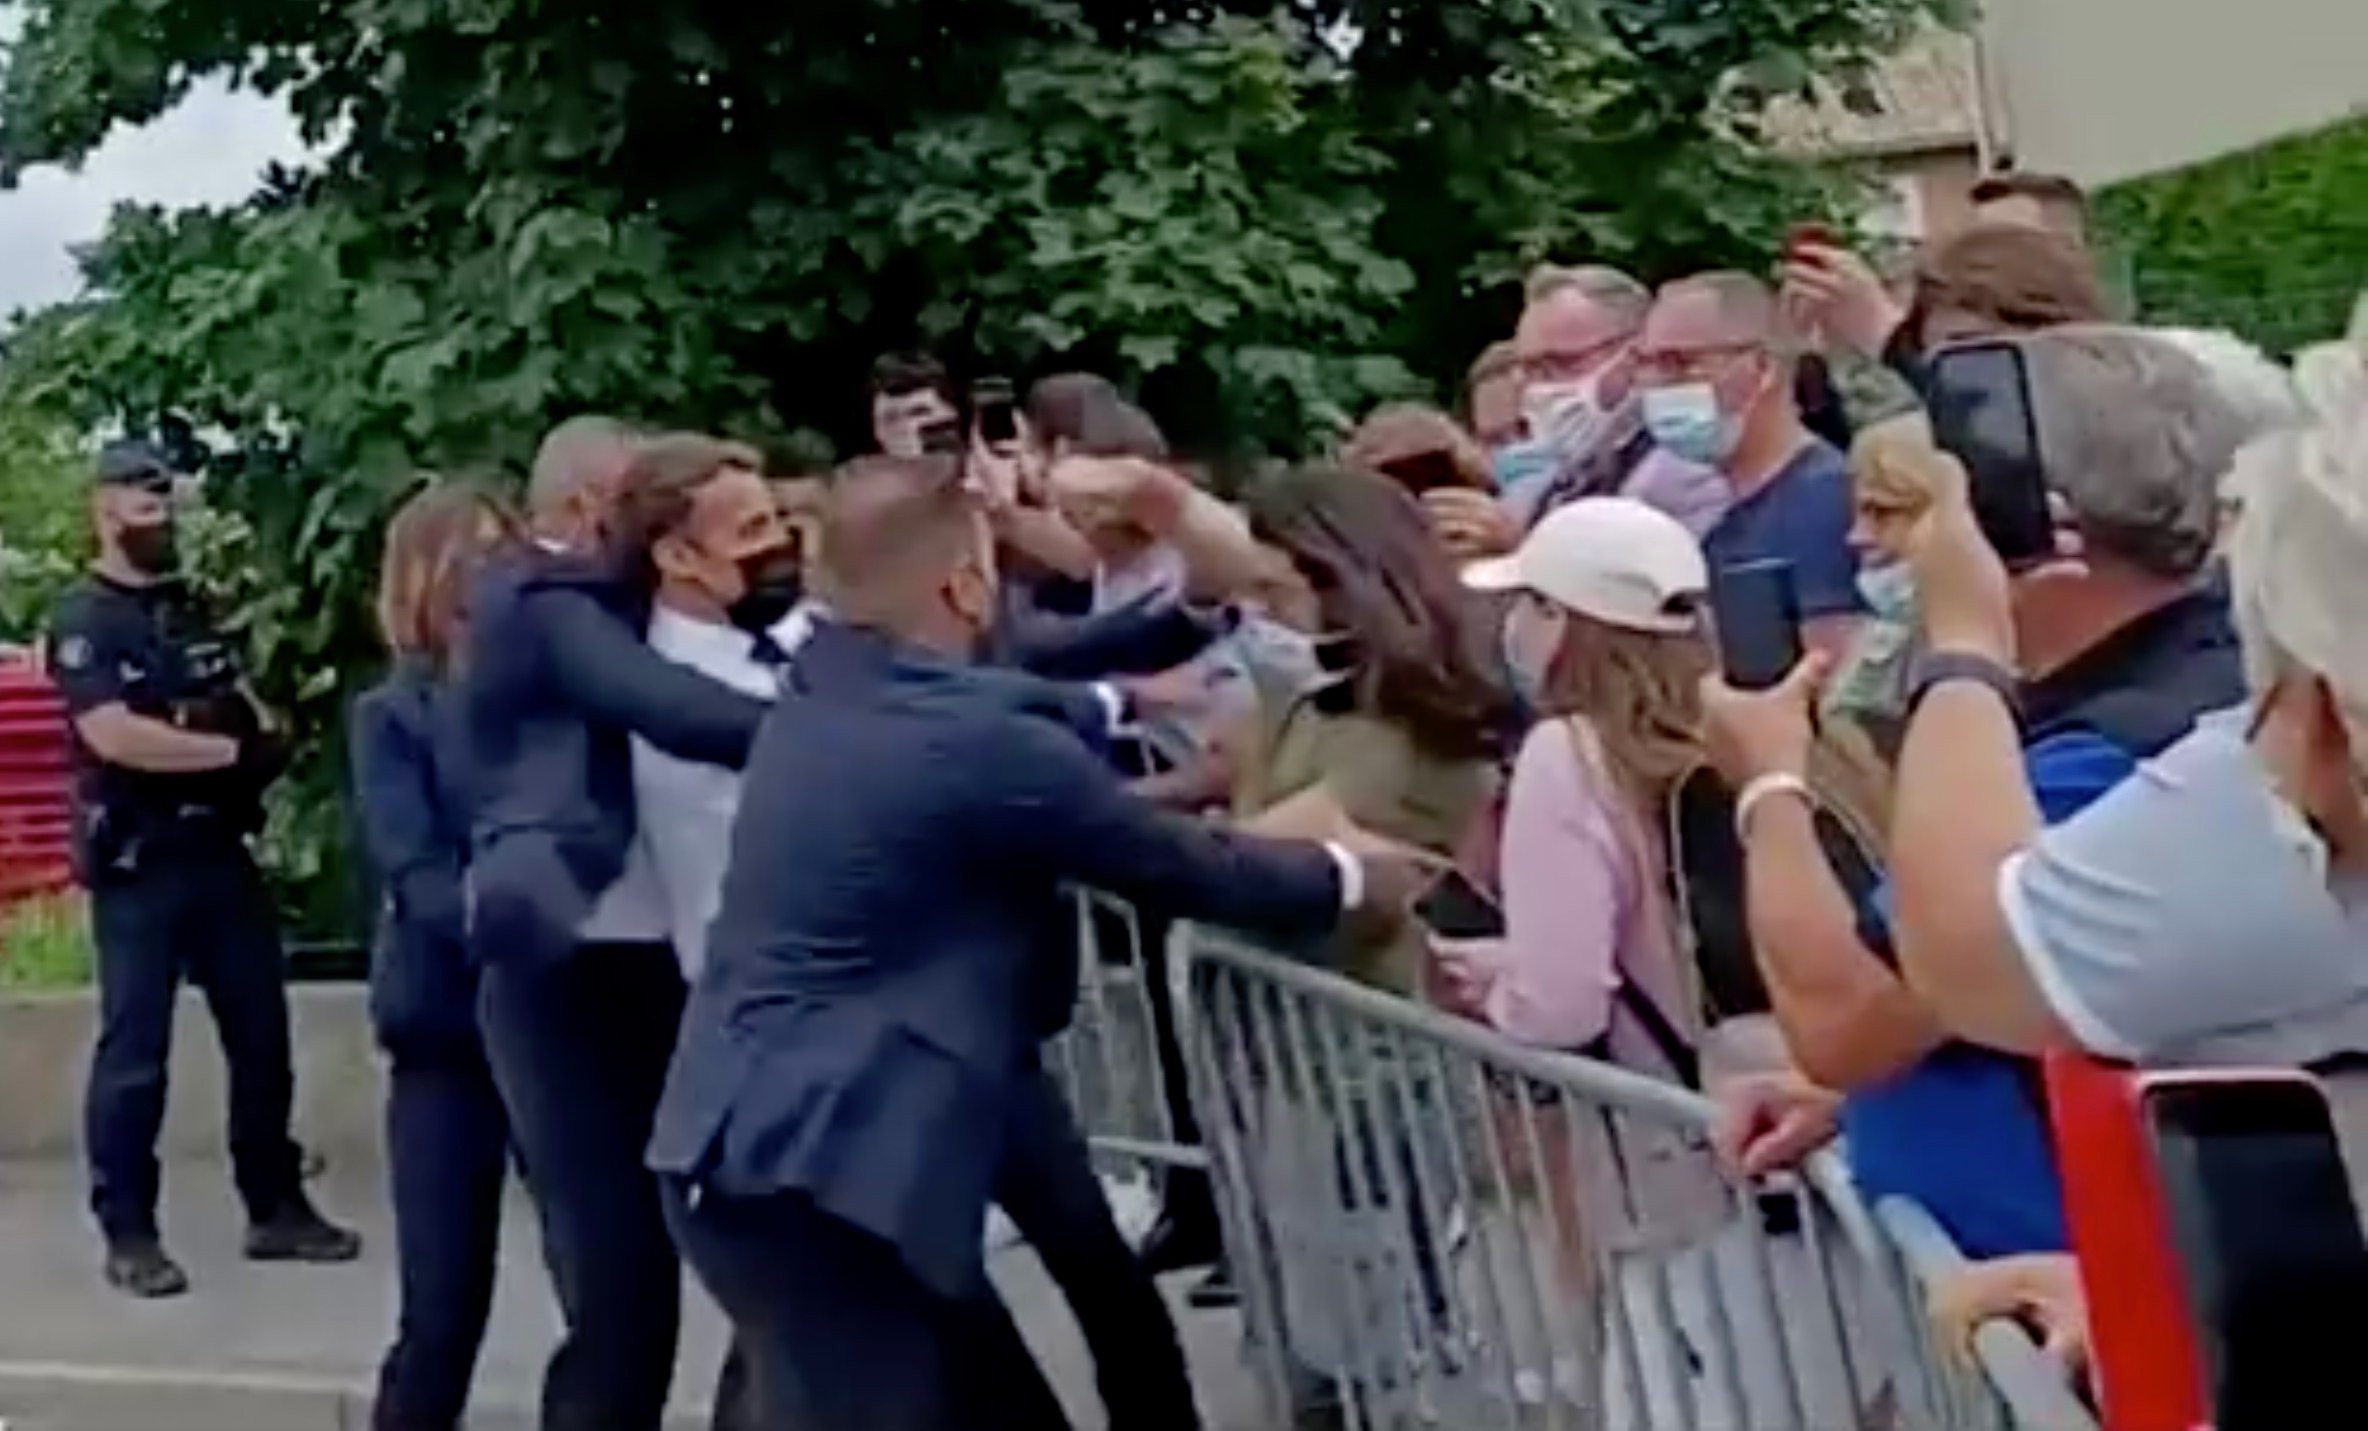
1569, 418
1286, 655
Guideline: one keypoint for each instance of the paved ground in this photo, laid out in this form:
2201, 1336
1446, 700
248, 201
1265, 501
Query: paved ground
293, 1349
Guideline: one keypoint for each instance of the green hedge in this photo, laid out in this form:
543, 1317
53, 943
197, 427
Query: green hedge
2271, 242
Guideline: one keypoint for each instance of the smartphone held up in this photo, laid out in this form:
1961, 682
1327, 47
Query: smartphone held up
1979, 397
1756, 607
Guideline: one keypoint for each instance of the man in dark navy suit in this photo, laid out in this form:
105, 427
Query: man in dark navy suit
581, 992
860, 1055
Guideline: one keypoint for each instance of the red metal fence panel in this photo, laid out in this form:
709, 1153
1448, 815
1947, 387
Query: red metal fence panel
36, 816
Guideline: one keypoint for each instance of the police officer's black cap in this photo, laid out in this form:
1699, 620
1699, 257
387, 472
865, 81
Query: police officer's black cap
134, 464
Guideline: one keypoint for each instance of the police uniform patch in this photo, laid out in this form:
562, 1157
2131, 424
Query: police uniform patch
74, 653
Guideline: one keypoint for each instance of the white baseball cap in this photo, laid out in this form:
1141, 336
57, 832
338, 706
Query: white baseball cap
1611, 559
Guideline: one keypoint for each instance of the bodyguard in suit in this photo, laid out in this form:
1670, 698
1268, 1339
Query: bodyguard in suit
581, 994
715, 540
863, 1039
447, 1137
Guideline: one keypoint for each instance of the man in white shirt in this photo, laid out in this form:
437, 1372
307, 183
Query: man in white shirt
726, 569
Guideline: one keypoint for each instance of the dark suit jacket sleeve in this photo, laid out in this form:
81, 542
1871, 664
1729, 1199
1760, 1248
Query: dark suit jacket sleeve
394, 777
611, 675
1070, 819
1139, 640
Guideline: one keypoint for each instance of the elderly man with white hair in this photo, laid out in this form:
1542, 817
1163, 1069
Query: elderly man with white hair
2213, 908
2036, 694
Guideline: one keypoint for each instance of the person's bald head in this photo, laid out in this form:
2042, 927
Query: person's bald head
576, 474
908, 550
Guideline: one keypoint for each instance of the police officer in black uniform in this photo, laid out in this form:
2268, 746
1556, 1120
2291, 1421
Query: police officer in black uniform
172, 755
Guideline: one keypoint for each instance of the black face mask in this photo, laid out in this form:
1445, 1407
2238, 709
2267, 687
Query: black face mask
150, 549
772, 583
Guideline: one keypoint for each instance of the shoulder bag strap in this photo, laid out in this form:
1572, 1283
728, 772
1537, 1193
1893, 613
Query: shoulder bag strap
1673, 1044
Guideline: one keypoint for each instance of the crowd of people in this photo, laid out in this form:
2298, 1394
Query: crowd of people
725, 824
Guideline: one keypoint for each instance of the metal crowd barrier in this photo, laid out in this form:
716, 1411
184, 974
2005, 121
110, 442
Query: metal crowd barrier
1109, 1061
1434, 1227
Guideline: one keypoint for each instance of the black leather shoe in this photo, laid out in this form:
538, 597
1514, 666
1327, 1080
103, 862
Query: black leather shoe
1178, 1242
298, 1233
140, 1267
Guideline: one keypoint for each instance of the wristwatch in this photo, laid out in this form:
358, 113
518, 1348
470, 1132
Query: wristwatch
1934, 669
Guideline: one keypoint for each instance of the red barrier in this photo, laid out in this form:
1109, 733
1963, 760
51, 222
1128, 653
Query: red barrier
36, 814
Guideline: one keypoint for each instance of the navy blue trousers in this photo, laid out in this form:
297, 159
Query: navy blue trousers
448, 1153
196, 908
837, 1332
580, 1050
1049, 1190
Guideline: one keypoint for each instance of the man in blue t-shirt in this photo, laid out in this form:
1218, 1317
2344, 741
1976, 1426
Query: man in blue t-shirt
2120, 652
1719, 391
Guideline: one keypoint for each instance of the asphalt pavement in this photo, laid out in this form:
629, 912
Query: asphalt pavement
255, 1348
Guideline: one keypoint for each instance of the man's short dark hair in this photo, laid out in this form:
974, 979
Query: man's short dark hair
888, 524
661, 488
897, 374
1121, 429
1087, 413
2048, 190
1060, 406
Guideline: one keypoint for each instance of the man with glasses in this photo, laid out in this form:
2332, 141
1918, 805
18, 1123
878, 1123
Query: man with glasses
1718, 390
1573, 364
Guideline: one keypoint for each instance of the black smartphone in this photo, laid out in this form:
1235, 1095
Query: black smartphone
1757, 609
995, 411
1980, 401
1455, 908
943, 438
2267, 1237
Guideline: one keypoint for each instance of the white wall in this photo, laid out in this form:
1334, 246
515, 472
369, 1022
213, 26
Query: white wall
2108, 89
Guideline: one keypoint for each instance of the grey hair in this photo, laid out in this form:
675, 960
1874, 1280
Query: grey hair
2136, 436
576, 453
1617, 293
1741, 298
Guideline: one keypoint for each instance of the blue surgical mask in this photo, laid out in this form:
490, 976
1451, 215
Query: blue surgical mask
1889, 592
1520, 465
1526, 643
1686, 423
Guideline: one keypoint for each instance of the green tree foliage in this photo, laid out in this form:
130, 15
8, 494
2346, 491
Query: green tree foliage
1267, 213
2271, 242
44, 522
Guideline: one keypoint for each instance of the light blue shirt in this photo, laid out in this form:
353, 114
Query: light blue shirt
2187, 917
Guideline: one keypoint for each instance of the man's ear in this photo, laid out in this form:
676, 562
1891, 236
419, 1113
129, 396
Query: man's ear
671, 555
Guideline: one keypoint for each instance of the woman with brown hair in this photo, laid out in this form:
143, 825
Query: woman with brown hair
1391, 721
447, 1136
1377, 714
